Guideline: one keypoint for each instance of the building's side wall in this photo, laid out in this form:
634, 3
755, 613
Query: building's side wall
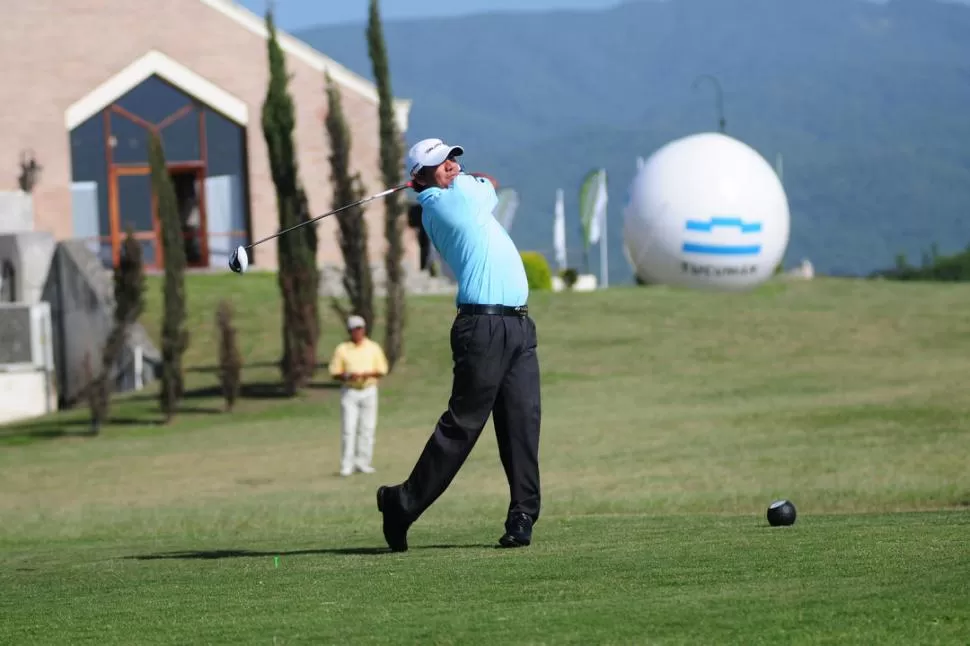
55, 52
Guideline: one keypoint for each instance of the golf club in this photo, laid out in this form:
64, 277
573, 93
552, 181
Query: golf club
239, 261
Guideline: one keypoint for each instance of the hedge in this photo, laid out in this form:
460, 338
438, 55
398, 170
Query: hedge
537, 270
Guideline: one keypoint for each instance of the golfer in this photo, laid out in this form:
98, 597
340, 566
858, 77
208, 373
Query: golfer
359, 363
493, 344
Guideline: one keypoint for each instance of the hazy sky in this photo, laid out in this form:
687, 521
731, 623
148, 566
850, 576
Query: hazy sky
296, 14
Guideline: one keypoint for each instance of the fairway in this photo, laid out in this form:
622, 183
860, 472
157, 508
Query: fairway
671, 419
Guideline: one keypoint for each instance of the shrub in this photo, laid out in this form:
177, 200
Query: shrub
569, 277
93, 394
175, 335
391, 140
537, 270
955, 268
230, 360
297, 276
129, 303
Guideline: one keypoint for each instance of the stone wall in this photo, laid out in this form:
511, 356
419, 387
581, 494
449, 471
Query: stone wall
16, 212
28, 256
82, 306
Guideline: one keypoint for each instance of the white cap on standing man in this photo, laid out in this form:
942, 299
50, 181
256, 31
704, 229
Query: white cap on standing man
355, 322
430, 152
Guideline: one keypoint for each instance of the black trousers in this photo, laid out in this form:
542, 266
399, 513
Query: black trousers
496, 371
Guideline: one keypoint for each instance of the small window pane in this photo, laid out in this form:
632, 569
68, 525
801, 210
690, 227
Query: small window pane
224, 145
149, 252
89, 163
135, 203
181, 139
188, 197
153, 100
129, 141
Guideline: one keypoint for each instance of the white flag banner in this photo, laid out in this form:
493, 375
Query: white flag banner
592, 204
599, 208
559, 231
508, 204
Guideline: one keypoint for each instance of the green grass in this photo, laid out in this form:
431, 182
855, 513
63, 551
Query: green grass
670, 420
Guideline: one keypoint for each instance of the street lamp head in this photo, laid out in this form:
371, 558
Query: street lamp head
718, 95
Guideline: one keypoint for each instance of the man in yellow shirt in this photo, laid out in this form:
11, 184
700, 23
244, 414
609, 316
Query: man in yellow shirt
359, 363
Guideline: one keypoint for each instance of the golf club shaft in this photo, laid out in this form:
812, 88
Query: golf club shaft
342, 208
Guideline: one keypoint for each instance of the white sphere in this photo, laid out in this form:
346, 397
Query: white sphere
706, 211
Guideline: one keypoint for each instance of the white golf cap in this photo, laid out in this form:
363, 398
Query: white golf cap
430, 152
355, 322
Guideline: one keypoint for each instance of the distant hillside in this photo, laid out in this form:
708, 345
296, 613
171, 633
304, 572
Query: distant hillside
869, 104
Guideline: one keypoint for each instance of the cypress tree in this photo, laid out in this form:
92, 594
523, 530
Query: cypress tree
175, 337
92, 394
230, 359
129, 297
298, 275
352, 235
392, 161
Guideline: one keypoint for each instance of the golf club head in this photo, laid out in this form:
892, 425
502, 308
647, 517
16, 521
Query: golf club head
239, 260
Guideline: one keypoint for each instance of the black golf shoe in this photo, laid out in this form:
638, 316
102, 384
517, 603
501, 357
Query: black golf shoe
395, 527
518, 531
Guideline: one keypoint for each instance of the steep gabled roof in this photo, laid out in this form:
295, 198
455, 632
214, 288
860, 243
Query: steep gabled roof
155, 62
318, 61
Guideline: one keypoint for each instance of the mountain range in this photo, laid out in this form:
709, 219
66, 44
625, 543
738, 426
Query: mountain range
867, 104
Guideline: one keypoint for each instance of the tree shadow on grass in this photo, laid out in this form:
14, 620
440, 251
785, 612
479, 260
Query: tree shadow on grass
67, 428
251, 390
53, 429
20, 437
200, 410
325, 385
214, 370
339, 551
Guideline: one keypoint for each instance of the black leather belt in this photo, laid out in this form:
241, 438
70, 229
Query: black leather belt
496, 310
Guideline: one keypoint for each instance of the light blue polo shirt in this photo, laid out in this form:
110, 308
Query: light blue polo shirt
460, 224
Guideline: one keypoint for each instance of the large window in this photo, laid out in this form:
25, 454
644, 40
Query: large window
206, 157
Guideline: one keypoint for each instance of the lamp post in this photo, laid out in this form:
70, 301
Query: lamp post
719, 95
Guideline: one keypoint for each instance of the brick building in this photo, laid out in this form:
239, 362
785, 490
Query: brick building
85, 80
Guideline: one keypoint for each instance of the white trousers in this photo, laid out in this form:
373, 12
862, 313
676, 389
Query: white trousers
358, 409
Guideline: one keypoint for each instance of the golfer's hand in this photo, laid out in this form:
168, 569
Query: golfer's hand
488, 177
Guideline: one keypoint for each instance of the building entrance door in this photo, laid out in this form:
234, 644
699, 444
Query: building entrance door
134, 205
189, 184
